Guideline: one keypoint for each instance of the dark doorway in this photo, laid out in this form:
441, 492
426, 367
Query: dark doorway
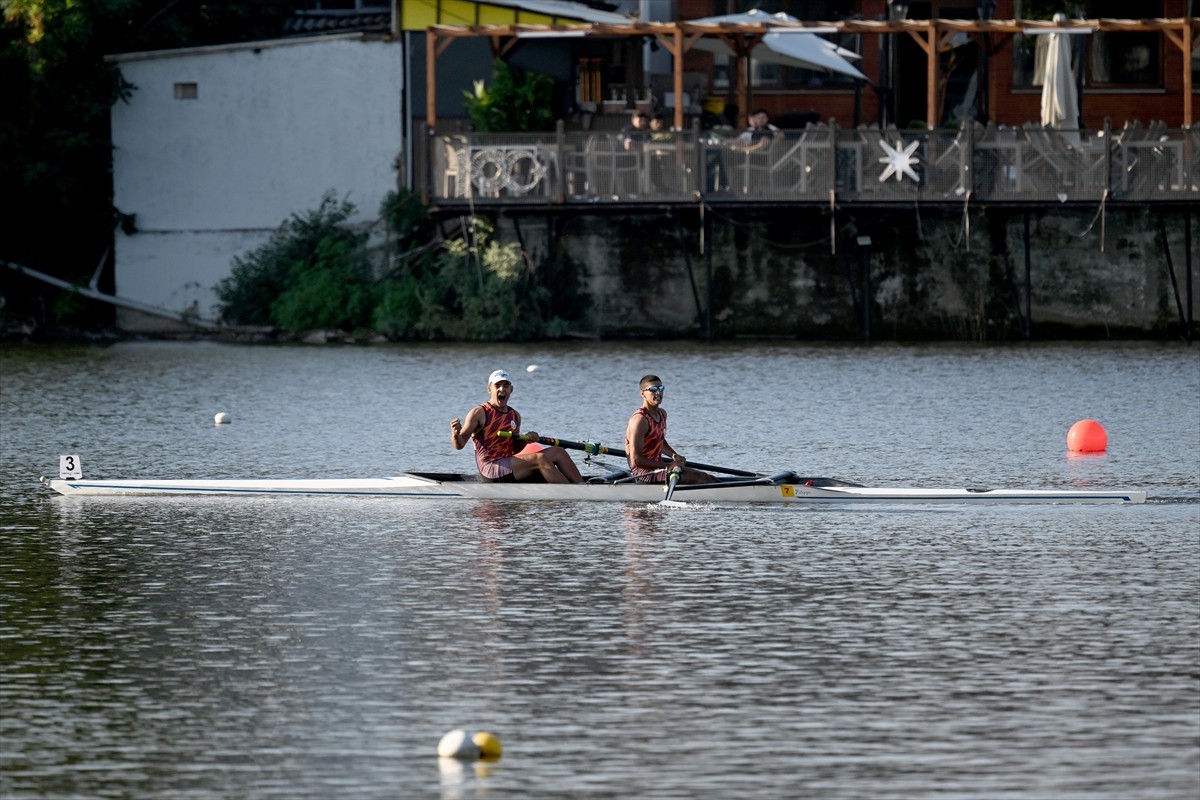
959, 91
911, 75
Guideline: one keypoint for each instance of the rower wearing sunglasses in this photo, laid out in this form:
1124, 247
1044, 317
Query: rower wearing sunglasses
646, 440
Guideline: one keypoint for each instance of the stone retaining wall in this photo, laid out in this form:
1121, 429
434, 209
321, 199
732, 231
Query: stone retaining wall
933, 273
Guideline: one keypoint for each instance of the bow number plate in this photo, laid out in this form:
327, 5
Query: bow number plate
69, 467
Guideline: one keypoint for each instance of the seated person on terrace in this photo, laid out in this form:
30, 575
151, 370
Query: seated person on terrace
758, 136
659, 132
637, 129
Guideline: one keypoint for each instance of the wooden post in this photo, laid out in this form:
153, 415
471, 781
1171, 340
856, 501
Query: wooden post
431, 43
1183, 40
1028, 284
706, 227
931, 56
674, 46
1187, 260
677, 65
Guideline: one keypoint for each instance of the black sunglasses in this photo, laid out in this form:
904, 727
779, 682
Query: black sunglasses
656, 389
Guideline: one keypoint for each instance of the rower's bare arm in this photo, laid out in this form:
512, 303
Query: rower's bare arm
635, 433
460, 432
519, 440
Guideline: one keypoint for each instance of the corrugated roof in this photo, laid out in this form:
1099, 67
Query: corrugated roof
418, 15
563, 8
338, 21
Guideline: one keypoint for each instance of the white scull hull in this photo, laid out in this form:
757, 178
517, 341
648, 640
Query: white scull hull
416, 485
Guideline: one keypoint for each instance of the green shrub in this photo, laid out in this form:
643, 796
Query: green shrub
475, 288
316, 273
332, 291
407, 219
249, 294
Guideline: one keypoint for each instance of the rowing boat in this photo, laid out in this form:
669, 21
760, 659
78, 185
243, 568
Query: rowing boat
781, 488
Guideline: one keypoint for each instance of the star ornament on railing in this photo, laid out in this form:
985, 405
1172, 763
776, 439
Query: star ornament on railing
899, 161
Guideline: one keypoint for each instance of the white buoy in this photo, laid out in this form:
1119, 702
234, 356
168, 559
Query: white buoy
458, 744
532, 368
222, 418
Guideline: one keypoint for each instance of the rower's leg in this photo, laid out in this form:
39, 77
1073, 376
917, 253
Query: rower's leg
553, 463
564, 464
695, 476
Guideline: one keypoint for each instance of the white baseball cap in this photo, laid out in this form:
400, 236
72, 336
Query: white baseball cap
497, 376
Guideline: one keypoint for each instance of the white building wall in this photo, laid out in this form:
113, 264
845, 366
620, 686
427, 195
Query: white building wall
272, 128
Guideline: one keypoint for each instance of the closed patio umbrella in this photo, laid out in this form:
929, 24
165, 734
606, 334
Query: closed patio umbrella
1060, 99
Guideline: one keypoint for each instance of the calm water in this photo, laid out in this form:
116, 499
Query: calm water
317, 648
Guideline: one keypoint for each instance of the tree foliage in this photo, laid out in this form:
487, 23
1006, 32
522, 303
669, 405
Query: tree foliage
55, 140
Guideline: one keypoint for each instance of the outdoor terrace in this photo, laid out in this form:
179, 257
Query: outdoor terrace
821, 164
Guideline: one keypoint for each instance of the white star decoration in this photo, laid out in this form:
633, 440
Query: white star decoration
899, 162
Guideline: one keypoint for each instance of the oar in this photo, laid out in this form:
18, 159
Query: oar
711, 468
591, 448
595, 448
779, 477
672, 481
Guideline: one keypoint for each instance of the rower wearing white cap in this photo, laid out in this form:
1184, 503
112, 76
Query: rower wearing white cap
508, 458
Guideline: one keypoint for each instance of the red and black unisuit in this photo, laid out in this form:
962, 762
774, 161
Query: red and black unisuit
652, 446
493, 454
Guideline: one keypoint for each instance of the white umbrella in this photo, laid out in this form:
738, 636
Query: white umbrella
803, 50
1060, 100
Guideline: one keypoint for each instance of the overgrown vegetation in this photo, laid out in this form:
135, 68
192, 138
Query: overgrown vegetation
318, 272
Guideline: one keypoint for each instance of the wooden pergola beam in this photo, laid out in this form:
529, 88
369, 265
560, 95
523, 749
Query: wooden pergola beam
679, 37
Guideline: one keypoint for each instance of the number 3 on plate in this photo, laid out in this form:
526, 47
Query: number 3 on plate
69, 467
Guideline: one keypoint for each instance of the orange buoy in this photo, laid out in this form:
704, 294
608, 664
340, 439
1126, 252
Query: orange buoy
1087, 436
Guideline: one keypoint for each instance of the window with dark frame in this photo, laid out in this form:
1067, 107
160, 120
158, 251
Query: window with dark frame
1114, 60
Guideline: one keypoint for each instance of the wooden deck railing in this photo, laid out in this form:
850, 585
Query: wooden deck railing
979, 163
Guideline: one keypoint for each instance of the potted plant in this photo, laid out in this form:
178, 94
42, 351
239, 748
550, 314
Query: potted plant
513, 103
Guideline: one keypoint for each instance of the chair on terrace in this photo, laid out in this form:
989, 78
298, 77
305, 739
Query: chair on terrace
1052, 166
454, 166
756, 168
612, 170
795, 163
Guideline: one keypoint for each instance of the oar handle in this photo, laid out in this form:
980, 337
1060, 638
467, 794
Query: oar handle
591, 448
